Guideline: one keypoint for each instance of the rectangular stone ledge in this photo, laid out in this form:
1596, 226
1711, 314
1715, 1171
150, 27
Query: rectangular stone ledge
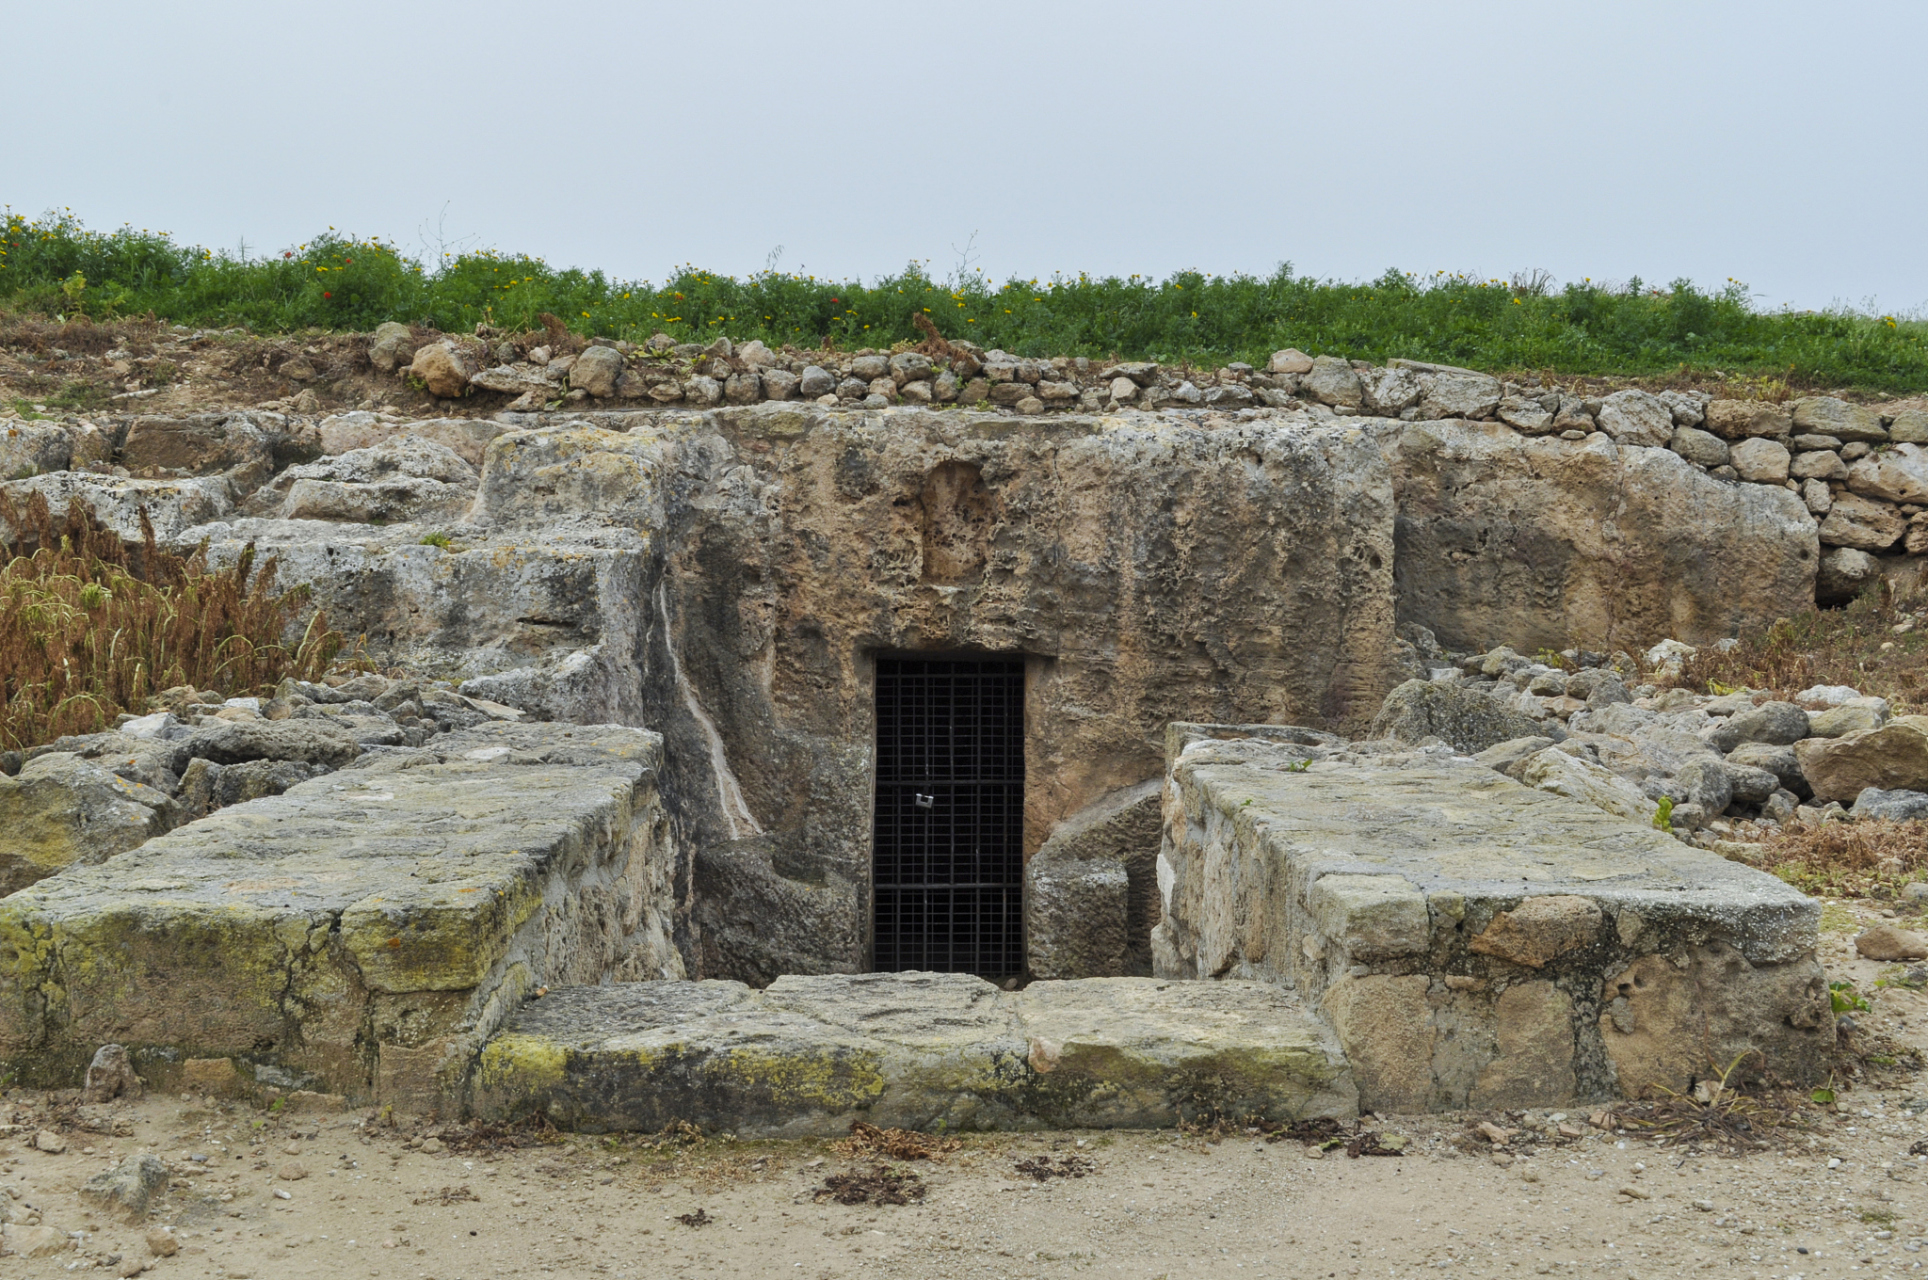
937, 1052
363, 932
1476, 942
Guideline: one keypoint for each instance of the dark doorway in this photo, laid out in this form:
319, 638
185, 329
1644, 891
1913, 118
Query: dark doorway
948, 839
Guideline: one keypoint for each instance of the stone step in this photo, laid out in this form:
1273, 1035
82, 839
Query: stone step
933, 1051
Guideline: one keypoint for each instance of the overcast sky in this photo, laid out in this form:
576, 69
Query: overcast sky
1782, 144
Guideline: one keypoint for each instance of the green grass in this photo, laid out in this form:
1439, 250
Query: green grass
55, 265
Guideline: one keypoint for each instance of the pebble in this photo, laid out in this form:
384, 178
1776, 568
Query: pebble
162, 1243
279, 1194
50, 1142
1635, 1193
291, 1172
433, 1147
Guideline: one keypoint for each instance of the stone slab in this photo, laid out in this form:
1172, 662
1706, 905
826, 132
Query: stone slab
808, 1055
360, 933
1410, 895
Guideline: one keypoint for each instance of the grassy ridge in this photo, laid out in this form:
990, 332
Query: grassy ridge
339, 282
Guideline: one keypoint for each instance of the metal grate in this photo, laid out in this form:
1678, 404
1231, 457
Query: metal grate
948, 838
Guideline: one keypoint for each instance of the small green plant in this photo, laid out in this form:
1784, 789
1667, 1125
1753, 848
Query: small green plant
1878, 1217
437, 539
277, 1104
1664, 814
74, 290
1300, 767
1844, 999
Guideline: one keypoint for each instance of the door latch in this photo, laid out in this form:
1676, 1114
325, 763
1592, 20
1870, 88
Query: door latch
923, 801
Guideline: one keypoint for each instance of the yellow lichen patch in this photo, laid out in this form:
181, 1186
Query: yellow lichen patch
522, 1064
837, 1081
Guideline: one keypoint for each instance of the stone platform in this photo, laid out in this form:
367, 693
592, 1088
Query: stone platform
361, 933
1473, 941
808, 1055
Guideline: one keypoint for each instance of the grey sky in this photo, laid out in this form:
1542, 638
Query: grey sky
1783, 144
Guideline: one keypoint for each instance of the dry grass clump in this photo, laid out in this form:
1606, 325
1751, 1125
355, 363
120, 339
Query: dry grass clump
90, 629
1849, 859
868, 1142
1826, 646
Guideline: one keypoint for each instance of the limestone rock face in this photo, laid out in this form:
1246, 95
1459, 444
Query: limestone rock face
1091, 890
1891, 758
1080, 540
63, 810
34, 448
1543, 542
247, 447
1468, 720
171, 505
404, 478
1457, 395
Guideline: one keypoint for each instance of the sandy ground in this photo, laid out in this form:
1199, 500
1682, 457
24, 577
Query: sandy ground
1844, 1196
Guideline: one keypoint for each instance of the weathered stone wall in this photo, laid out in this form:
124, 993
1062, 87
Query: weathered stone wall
1475, 942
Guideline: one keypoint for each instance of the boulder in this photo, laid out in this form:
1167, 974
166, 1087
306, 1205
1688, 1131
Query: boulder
1886, 942
1775, 723
1900, 806
391, 346
1749, 784
1525, 415
1290, 360
1845, 572
1389, 392
34, 448
1635, 417
1333, 381
1858, 716
253, 779
1552, 543
1892, 758
1909, 427
1760, 461
443, 369
1827, 416
596, 371
127, 1190
1459, 395
110, 1075
62, 810
1899, 474
1091, 890
1777, 760
1703, 448
320, 742
1742, 419
1858, 522
1561, 774
1819, 465
1465, 718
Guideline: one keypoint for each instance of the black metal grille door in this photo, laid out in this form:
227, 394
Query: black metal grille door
948, 839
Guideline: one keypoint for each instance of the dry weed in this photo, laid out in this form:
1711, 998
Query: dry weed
90, 628
1824, 647
868, 1142
1873, 856
881, 1185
